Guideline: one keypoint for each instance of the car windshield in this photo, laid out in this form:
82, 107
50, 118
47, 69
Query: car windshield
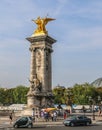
30, 117
71, 117
76, 117
24, 119
82, 117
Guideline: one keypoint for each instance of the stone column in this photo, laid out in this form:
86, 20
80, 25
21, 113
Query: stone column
50, 71
43, 45
32, 64
43, 69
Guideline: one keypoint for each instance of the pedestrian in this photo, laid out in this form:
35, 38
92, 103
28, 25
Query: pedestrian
99, 111
42, 115
10, 117
52, 116
46, 116
65, 115
36, 116
33, 116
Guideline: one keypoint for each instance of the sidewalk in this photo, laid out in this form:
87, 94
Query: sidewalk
97, 119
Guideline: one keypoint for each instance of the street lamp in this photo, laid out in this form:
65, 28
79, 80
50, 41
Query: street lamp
69, 95
93, 105
99, 105
84, 109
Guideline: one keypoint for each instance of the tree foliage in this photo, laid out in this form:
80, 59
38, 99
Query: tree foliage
13, 95
59, 95
78, 94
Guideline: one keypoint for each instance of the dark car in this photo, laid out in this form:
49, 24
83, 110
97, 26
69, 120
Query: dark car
24, 121
77, 120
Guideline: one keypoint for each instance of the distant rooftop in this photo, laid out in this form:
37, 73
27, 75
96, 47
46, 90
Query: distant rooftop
97, 82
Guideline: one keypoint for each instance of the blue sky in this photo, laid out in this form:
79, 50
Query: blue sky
77, 56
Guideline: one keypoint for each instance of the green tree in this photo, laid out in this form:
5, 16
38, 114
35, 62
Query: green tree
2, 97
68, 96
20, 94
59, 95
82, 93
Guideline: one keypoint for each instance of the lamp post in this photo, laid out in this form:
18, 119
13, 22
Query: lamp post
99, 105
69, 95
93, 105
84, 109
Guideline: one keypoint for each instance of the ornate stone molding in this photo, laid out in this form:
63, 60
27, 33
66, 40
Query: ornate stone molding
41, 38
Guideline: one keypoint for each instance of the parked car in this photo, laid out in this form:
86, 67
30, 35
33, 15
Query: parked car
77, 120
24, 121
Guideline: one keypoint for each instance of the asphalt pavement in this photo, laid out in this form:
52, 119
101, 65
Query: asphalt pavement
5, 122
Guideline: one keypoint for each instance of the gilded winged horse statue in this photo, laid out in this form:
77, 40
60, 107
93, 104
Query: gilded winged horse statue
41, 23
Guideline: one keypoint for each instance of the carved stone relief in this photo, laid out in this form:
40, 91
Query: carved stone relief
38, 60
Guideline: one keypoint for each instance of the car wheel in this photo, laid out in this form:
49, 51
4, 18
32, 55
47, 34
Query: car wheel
72, 124
16, 126
30, 126
87, 123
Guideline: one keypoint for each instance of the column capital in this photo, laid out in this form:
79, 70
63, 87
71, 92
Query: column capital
31, 48
41, 38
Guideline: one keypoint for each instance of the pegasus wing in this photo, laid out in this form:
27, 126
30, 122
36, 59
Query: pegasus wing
35, 21
48, 19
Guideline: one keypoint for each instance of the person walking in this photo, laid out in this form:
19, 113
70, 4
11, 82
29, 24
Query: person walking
11, 118
36, 116
52, 115
65, 115
100, 111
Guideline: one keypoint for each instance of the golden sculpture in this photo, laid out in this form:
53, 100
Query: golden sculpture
41, 22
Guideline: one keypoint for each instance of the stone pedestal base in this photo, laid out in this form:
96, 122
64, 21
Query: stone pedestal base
33, 102
40, 100
27, 112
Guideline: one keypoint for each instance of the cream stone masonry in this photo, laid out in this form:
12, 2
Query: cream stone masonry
40, 92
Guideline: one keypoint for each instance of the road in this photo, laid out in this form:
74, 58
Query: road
97, 124
93, 127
